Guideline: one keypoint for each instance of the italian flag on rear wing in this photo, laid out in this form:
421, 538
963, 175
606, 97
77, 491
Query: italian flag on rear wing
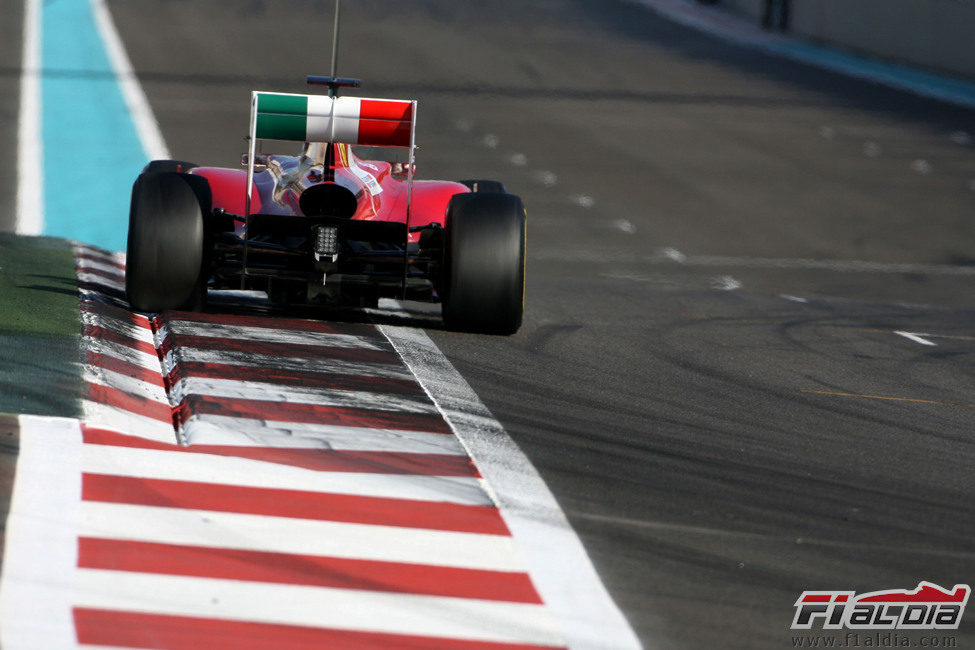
349, 120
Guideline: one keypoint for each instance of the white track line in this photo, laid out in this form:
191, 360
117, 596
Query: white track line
41, 545
143, 118
560, 568
30, 155
916, 337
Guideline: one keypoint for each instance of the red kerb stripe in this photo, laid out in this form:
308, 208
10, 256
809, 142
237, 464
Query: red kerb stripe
127, 402
138, 630
306, 458
100, 259
115, 276
105, 334
118, 313
108, 362
310, 570
274, 502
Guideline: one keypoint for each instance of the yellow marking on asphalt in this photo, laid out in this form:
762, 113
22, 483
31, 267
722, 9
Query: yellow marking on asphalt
887, 398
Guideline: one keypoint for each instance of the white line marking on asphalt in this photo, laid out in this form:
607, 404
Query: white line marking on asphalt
673, 254
135, 98
625, 225
922, 166
916, 337
267, 533
725, 283
962, 138
950, 337
546, 178
29, 213
577, 597
872, 150
583, 200
827, 132
793, 298
41, 550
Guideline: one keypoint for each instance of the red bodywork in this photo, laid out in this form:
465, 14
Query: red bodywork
381, 194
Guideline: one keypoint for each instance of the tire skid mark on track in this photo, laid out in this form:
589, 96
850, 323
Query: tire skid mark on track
263, 482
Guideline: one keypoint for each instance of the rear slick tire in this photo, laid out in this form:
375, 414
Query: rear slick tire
165, 247
484, 283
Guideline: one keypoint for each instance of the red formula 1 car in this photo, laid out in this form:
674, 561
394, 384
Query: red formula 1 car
325, 227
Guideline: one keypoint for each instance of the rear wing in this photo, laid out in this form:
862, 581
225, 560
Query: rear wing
320, 118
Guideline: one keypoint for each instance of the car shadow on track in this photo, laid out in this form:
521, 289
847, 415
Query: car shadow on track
389, 312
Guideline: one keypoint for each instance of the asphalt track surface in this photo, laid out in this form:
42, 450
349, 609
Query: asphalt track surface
723, 249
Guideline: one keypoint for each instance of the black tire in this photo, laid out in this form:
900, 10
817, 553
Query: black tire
479, 185
484, 266
156, 166
164, 268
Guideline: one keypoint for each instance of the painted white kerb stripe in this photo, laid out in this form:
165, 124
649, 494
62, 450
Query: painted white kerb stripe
293, 364
135, 98
30, 160
41, 550
268, 335
230, 530
349, 609
324, 397
229, 430
251, 473
558, 564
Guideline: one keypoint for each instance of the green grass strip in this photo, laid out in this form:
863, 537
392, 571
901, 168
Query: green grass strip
40, 327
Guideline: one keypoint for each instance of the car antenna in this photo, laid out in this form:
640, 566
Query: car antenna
335, 38
333, 82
